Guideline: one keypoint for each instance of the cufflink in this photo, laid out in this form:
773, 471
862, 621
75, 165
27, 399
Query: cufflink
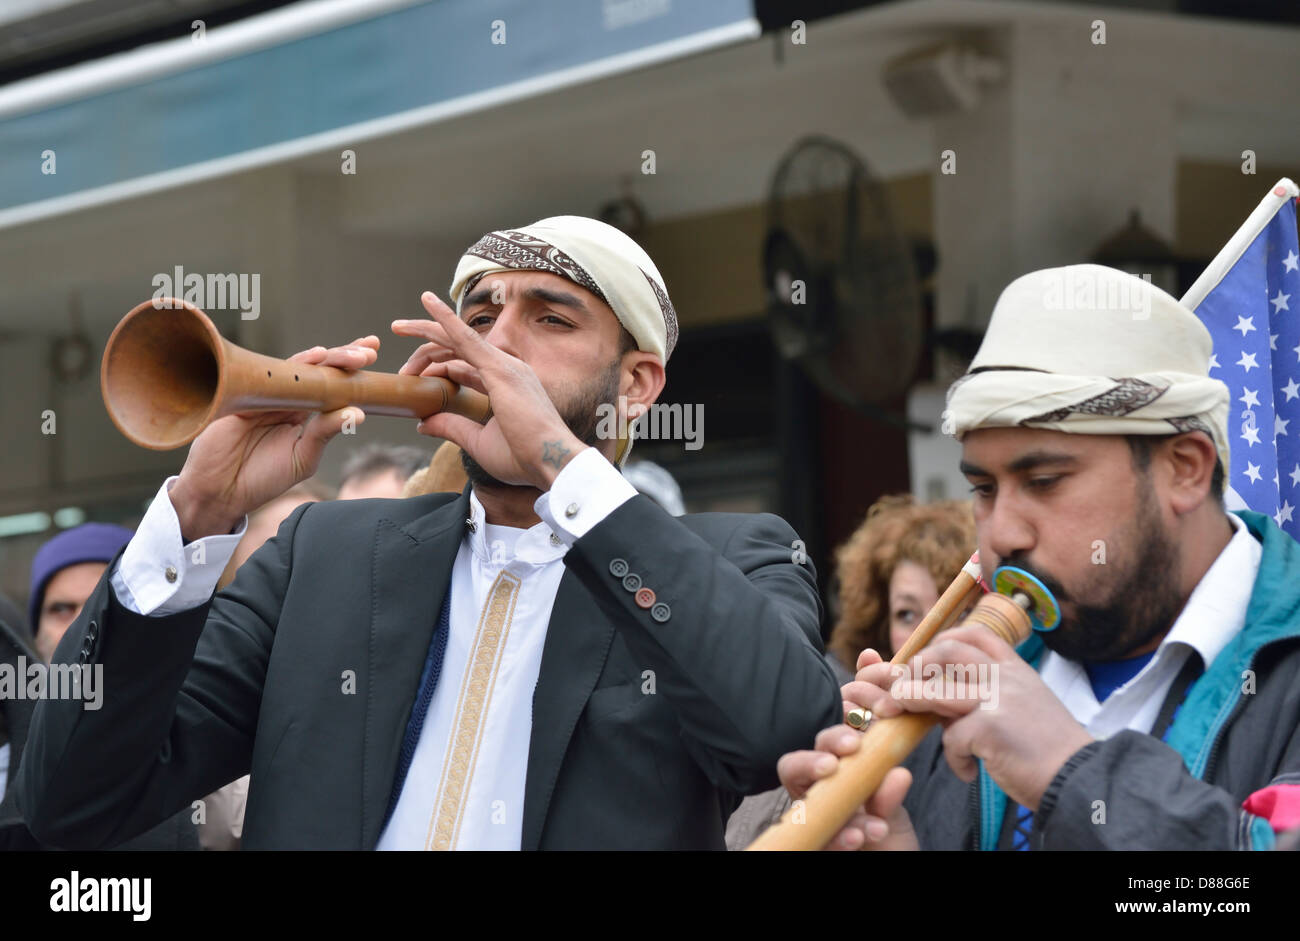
571, 510
169, 573
555, 540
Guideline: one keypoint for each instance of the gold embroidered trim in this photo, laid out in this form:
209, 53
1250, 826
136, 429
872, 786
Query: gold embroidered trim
467, 726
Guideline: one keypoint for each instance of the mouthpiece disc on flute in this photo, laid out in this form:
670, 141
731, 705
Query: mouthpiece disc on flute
1044, 613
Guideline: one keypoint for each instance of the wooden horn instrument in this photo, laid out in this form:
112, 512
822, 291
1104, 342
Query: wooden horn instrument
167, 374
812, 822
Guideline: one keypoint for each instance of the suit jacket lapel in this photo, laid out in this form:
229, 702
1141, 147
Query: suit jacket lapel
410, 575
577, 642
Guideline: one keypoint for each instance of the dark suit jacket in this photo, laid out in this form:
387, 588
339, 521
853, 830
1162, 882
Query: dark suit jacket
15, 717
253, 681
175, 833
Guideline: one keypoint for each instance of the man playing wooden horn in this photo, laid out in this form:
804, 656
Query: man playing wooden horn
546, 660
1162, 712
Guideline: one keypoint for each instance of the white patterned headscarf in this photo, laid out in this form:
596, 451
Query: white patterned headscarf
1091, 350
593, 255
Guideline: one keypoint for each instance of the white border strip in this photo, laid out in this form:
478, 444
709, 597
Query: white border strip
160, 59
1230, 253
741, 30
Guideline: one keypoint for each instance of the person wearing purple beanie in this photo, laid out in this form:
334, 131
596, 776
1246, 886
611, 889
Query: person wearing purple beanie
64, 573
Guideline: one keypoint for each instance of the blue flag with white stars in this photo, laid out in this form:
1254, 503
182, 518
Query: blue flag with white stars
1249, 299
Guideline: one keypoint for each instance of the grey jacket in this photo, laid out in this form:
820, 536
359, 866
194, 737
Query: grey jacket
1237, 734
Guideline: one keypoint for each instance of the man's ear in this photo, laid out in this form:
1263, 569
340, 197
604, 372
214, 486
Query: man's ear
642, 380
1189, 459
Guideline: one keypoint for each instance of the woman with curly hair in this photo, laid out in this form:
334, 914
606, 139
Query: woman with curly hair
890, 573
892, 570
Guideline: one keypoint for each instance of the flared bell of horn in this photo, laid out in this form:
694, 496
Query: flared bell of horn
168, 373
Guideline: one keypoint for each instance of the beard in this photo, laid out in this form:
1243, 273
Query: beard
580, 414
1137, 609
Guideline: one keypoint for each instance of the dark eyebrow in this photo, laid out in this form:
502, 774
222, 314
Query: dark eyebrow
1038, 458
480, 296
545, 295
1025, 462
560, 298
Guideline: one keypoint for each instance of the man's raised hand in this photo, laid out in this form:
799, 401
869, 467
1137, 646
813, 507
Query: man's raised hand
526, 442
244, 460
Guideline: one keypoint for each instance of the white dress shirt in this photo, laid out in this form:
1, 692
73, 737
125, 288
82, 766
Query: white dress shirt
465, 786
1214, 614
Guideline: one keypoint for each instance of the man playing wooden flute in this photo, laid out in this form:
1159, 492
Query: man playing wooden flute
1164, 711
546, 660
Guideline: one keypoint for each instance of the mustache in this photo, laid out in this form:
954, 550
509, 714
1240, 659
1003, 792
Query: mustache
1050, 582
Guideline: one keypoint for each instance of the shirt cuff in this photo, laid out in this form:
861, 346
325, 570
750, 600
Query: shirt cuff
157, 574
587, 490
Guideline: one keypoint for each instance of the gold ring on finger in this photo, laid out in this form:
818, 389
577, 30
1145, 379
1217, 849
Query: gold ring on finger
859, 718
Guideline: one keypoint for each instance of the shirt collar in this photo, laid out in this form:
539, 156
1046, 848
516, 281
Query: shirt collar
501, 545
1216, 609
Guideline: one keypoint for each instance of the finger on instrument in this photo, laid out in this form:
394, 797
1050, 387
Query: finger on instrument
852, 837
424, 355
862, 694
800, 770
311, 357
461, 373
889, 796
840, 739
868, 657
441, 368
428, 329
350, 357
877, 674
988, 643
959, 749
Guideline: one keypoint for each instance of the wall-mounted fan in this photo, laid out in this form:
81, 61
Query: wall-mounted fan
844, 300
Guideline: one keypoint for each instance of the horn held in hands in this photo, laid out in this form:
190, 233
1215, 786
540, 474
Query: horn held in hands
167, 374
832, 801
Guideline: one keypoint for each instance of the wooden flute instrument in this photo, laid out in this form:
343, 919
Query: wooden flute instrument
831, 802
168, 373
